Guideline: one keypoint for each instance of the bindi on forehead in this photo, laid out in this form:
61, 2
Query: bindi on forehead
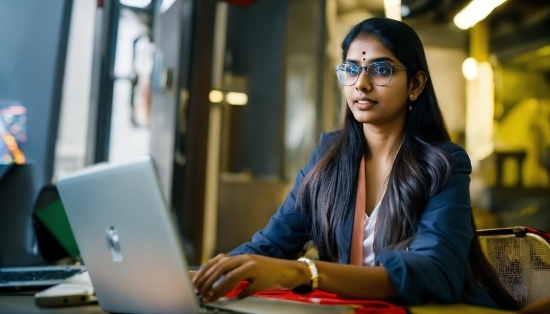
364, 53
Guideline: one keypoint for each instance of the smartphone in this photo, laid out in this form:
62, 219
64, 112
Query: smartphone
65, 294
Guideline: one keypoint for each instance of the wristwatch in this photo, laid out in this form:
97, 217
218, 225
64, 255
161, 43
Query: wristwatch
313, 283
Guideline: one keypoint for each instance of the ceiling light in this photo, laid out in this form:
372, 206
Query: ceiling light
474, 12
234, 98
469, 69
215, 96
393, 9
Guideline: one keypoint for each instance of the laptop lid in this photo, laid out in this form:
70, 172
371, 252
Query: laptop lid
127, 238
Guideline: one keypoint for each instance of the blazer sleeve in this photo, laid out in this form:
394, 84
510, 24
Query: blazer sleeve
288, 229
435, 265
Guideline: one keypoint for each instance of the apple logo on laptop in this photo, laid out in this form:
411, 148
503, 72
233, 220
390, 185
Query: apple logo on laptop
114, 244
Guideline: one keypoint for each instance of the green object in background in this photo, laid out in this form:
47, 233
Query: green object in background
53, 217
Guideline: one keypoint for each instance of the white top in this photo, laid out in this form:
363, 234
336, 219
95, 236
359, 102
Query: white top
368, 237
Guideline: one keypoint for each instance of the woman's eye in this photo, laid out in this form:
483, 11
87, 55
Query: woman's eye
353, 70
381, 69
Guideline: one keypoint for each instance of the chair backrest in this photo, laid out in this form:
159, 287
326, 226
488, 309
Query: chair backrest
521, 258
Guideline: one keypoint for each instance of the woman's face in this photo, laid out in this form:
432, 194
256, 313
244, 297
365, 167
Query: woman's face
377, 105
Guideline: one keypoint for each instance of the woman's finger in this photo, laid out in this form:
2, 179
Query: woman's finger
222, 274
235, 270
208, 278
229, 282
211, 276
206, 269
208, 264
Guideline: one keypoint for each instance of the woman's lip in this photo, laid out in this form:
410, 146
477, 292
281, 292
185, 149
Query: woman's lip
364, 104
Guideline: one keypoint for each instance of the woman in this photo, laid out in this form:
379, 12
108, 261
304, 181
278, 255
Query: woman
385, 200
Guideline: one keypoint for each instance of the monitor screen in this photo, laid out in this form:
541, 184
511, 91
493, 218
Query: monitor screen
4, 169
13, 133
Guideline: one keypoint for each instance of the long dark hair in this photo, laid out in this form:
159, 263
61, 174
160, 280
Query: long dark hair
419, 170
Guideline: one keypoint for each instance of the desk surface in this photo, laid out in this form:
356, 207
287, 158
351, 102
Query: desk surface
24, 304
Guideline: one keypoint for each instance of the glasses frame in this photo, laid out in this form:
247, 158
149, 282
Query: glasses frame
365, 68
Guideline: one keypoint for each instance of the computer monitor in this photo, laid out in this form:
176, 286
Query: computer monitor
4, 168
39, 91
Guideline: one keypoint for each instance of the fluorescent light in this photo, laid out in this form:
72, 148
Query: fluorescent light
393, 9
469, 69
480, 108
474, 12
136, 3
234, 98
215, 96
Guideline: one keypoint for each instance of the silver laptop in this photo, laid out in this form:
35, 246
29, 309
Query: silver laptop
35, 277
131, 249
127, 238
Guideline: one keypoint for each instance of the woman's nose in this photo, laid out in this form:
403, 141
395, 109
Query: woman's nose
363, 81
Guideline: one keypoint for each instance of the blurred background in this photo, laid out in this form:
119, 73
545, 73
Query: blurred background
231, 96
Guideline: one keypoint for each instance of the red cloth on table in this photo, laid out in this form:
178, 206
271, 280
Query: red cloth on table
322, 297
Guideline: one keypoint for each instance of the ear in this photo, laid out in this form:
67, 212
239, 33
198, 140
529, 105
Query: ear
417, 84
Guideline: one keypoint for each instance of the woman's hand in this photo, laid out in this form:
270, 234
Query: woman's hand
223, 273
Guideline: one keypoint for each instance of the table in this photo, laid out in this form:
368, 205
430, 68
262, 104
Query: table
23, 303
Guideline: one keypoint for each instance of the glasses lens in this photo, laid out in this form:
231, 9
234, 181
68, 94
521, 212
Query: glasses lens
380, 73
341, 73
348, 73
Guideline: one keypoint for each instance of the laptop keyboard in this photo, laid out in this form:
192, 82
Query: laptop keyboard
37, 275
24, 278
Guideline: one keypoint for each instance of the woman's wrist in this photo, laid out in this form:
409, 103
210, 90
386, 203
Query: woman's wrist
308, 275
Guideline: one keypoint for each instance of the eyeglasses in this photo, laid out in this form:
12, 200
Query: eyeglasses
379, 73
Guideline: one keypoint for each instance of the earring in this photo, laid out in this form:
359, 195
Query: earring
411, 99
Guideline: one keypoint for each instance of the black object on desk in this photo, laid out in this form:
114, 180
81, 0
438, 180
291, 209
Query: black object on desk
53, 231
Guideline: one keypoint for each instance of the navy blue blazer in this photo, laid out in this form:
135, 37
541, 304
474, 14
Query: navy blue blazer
435, 265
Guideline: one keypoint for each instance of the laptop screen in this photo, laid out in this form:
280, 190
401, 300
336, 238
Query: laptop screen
4, 168
13, 133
